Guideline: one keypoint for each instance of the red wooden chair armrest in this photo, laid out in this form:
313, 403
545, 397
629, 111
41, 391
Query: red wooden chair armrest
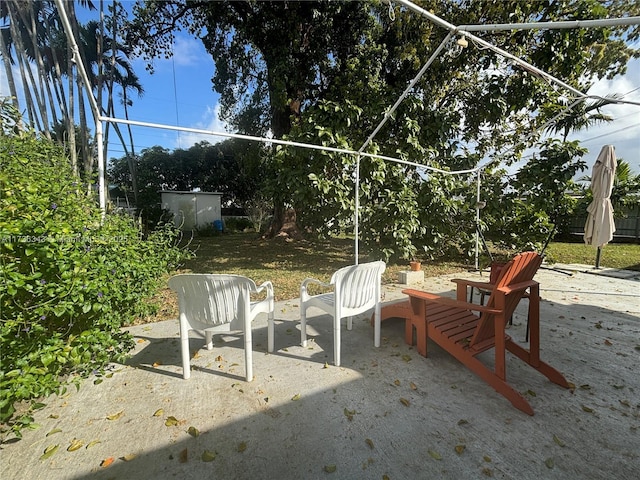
449, 301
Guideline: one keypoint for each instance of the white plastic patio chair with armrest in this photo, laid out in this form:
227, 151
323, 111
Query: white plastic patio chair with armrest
356, 290
214, 303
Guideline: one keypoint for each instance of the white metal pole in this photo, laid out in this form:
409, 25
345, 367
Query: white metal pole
412, 83
477, 220
356, 213
92, 101
102, 193
464, 30
284, 142
598, 23
437, 20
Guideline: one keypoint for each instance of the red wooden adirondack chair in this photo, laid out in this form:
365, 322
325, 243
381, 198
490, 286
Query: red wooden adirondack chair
454, 326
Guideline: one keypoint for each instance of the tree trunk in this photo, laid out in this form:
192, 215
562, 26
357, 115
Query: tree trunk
283, 222
7, 67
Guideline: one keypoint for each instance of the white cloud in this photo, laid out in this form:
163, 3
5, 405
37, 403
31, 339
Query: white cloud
187, 51
624, 131
210, 122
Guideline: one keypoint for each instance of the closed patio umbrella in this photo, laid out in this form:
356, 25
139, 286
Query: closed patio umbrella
598, 231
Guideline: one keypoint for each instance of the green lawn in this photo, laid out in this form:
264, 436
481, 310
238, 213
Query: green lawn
624, 256
287, 263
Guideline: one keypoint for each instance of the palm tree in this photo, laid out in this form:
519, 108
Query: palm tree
625, 194
579, 115
33, 35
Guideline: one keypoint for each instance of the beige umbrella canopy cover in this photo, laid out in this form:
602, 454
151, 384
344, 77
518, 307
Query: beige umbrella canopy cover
598, 231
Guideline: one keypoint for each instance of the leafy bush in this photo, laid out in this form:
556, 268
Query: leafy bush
238, 224
68, 279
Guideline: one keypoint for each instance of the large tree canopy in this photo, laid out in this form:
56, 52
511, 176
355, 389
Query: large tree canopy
326, 73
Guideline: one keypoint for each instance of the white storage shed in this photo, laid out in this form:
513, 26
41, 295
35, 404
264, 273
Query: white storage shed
193, 210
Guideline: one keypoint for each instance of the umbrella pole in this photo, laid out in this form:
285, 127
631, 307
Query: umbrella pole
598, 253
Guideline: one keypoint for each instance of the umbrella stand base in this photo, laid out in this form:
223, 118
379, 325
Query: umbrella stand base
598, 253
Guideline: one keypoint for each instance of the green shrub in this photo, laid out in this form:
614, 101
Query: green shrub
237, 224
69, 280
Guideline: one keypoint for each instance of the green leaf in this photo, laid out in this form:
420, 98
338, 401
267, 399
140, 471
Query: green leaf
558, 441
435, 455
209, 456
49, 451
171, 421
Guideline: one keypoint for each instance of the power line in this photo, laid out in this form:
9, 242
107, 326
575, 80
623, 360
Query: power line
612, 132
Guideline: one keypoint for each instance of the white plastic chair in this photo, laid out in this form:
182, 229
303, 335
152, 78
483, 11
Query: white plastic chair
217, 304
356, 290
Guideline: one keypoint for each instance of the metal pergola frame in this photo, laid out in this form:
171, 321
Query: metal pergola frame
463, 31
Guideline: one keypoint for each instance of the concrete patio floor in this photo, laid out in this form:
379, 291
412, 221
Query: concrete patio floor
385, 413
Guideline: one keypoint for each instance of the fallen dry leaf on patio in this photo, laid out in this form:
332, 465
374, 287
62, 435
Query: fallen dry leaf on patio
242, 446
406, 358
459, 449
219, 358
487, 472
435, 455
194, 432
171, 421
75, 445
208, 456
405, 402
369, 442
129, 456
396, 383
92, 443
296, 397
608, 343
487, 458
106, 462
156, 364
54, 431
549, 462
330, 468
413, 386
558, 441
587, 409
141, 340
184, 456
349, 414
463, 422
159, 412
115, 416
49, 451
